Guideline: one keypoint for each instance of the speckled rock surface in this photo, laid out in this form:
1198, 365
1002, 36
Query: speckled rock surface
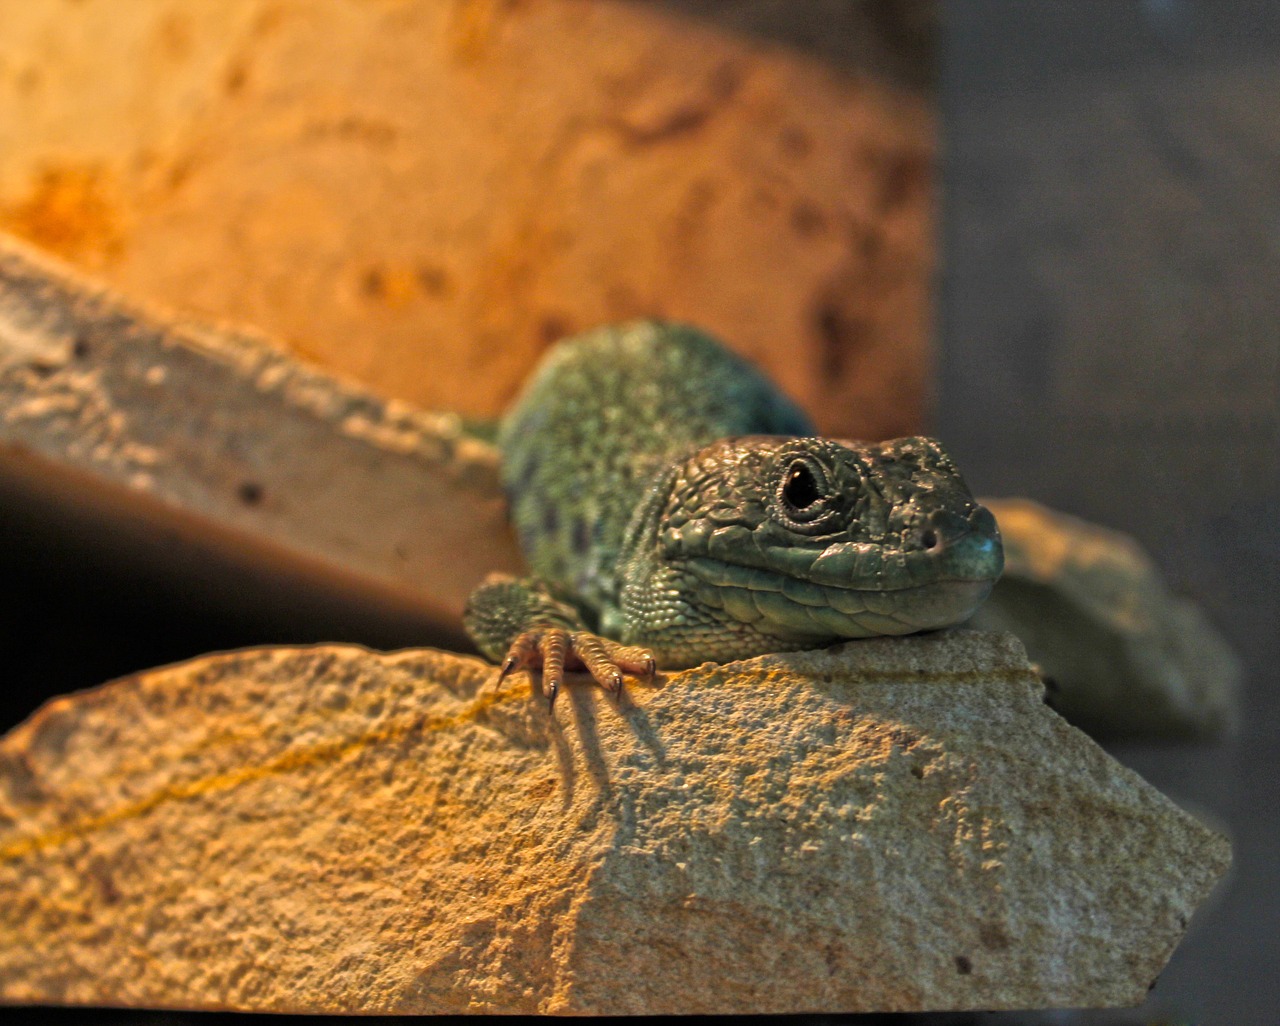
423, 194
889, 825
1124, 656
220, 459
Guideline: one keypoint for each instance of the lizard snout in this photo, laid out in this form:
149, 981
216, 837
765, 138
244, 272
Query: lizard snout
956, 543
936, 530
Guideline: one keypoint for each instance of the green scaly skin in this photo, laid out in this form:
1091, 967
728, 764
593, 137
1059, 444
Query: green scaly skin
674, 508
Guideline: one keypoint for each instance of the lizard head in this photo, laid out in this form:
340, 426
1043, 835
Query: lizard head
814, 538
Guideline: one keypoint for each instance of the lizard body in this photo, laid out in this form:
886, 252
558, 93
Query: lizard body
674, 507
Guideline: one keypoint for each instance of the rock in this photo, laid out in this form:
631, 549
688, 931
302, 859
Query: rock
1124, 656
424, 195
895, 824
210, 456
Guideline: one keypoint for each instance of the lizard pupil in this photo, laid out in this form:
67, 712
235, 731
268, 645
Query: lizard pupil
801, 488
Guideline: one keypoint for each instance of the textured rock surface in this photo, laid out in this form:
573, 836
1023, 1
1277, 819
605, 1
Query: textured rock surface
224, 461
892, 824
1124, 656
423, 194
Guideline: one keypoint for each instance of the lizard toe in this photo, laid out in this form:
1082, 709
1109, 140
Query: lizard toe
553, 649
596, 657
522, 652
639, 662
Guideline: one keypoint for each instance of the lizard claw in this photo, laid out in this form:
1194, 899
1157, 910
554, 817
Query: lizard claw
555, 649
508, 667
521, 653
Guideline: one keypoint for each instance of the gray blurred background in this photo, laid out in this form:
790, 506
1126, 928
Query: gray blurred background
1109, 327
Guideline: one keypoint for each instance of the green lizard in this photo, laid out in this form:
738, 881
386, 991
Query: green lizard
674, 507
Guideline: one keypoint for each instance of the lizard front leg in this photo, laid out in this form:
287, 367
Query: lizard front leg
521, 624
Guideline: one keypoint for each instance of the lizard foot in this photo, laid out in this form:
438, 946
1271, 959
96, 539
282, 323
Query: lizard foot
555, 648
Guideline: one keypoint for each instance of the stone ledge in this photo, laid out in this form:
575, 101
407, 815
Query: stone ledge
895, 824
211, 455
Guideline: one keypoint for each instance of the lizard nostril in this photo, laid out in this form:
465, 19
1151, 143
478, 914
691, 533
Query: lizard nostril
929, 539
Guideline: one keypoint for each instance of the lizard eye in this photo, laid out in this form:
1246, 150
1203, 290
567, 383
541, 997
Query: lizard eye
800, 489
803, 491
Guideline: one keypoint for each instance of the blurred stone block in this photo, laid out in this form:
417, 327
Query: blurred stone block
1124, 656
424, 194
893, 824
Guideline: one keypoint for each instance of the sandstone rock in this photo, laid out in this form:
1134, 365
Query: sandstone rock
423, 195
1124, 656
212, 455
894, 824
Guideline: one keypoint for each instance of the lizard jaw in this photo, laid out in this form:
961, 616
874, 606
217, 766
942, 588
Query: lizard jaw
785, 605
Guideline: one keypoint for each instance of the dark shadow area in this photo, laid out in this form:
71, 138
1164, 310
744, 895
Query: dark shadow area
894, 39
73, 615
70, 620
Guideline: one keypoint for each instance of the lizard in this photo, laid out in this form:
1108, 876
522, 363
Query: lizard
675, 508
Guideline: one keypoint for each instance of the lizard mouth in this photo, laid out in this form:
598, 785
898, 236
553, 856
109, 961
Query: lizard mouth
855, 590
752, 594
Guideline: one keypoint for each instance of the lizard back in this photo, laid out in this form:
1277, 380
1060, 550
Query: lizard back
604, 414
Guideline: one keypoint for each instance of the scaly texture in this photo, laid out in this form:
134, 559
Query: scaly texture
670, 498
